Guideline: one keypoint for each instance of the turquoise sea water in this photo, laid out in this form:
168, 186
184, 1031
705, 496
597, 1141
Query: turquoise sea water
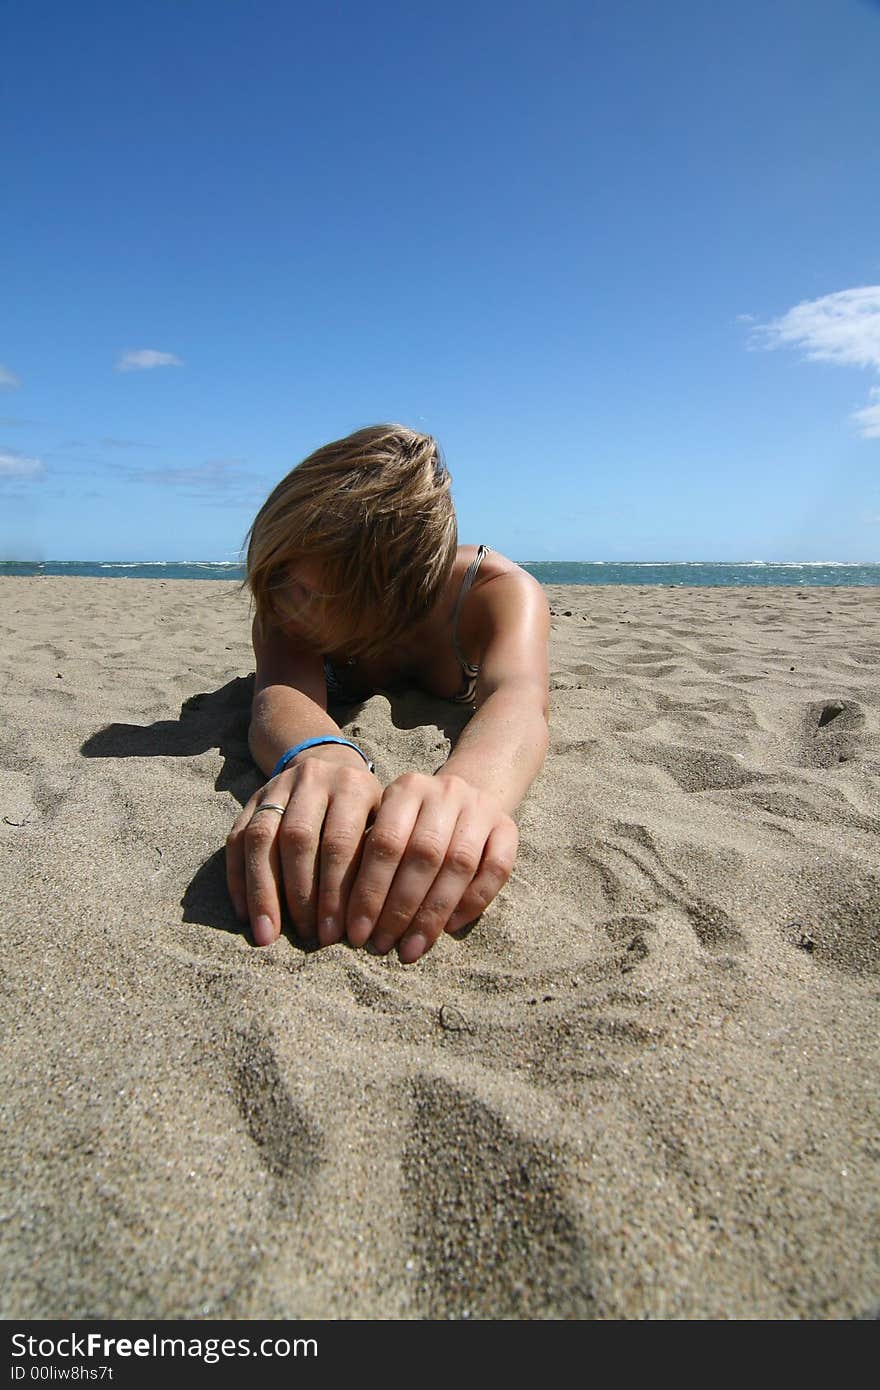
687, 573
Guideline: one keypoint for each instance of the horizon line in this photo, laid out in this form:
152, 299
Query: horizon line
240, 564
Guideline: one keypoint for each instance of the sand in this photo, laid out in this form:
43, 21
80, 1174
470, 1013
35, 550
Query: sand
644, 1085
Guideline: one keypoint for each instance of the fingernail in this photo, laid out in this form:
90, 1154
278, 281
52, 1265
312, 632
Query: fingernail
329, 932
383, 941
264, 932
413, 947
458, 921
359, 931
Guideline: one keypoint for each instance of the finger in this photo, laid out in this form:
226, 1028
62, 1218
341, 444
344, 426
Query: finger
383, 851
461, 862
262, 875
420, 868
299, 837
235, 876
350, 807
496, 866
236, 881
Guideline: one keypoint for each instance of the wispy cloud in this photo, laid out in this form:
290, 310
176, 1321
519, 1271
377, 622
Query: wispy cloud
8, 379
107, 441
15, 465
145, 359
869, 416
217, 482
842, 328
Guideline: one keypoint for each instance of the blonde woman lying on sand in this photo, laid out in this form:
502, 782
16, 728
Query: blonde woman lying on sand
359, 583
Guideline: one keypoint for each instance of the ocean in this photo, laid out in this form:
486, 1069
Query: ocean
680, 574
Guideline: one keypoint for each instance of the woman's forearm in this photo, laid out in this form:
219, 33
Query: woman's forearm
502, 749
282, 716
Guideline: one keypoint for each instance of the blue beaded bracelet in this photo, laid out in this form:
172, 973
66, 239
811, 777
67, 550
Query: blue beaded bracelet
291, 753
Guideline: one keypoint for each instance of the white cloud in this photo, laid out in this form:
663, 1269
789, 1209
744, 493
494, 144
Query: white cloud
14, 465
869, 416
842, 328
144, 359
8, 378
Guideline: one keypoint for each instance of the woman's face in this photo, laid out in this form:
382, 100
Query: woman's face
299, 592
311, 612
303, 585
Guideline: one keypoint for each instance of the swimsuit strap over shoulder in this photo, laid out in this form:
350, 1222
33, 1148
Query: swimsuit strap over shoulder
469, 671
335, 678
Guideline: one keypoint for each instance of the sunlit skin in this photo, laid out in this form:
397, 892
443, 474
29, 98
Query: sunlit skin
394, 866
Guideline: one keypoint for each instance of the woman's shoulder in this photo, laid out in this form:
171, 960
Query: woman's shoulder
490, 564
489, 581
485, 559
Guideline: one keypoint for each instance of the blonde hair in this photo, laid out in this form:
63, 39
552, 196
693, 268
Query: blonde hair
373, 513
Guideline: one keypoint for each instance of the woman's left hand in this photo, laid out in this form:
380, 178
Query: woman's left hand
436, 855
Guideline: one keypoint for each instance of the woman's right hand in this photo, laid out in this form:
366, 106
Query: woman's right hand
306, 850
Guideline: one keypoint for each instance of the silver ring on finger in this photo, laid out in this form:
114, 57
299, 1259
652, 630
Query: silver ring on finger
269, 806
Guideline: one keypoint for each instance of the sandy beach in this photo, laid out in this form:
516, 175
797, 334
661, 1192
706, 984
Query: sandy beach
644, 1085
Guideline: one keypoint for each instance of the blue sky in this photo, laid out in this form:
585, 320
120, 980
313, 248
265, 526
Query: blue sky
621, 259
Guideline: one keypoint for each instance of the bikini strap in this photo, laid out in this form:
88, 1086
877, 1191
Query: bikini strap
466, 585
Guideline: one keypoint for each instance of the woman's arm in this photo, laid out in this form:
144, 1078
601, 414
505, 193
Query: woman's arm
306, 853
442, 847
502, 748
290, 697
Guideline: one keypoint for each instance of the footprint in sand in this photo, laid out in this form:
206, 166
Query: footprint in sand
831, 732
494, 1234
286, 1143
